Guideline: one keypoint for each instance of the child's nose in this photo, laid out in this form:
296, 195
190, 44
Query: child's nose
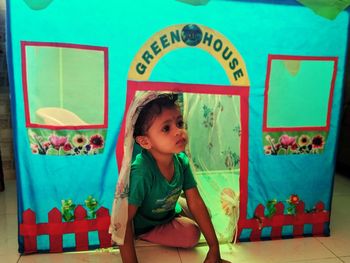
178, 131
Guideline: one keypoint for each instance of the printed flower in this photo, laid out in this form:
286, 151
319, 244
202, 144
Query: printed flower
57, 141
67, 204
318, 141
237, 130
287, 141
46, 145
91, 202
122, 190
79, 140
271, 207
67, 147
96, 141
228, 201
67, 210
268, 137
277, 146
267, 149
34, 148
304, 140
208, 117
120, 187
229, 162
117, 226
294, 199
294, 147
92, 205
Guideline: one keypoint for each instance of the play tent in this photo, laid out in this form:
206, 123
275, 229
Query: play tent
260, 86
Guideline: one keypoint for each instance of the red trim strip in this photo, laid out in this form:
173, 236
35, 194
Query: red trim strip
316, 128
64, 45
267, 85
105, 117
189, 88
331, 93
29, 124
292, 57
243, 178
66, 127
25, 82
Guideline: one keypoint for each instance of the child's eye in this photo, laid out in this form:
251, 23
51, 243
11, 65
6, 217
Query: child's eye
180, 124
166, 128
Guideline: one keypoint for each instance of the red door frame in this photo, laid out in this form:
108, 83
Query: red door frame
242, 91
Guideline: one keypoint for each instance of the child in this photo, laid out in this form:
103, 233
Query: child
158, 176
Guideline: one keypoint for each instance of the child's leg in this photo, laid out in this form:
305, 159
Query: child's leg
185, 210
180, 232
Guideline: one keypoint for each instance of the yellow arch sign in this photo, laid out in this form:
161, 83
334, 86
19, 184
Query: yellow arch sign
189, 35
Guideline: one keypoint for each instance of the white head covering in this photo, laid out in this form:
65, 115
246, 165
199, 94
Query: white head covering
119, 215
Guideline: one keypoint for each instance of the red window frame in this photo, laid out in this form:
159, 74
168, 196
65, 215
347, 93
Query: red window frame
267, 84
29, 124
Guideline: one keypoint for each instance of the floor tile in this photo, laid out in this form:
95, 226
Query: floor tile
323, 260
8, 198
287, 250
339, 240
93, 257
345, 259
339, 211
265, 251
158, 255
338, 244
8, 226
11, 258
8, 246
341, 184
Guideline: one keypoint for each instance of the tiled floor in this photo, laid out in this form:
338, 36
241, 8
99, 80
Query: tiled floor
333, 249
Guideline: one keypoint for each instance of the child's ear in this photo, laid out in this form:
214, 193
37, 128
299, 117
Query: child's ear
143, 142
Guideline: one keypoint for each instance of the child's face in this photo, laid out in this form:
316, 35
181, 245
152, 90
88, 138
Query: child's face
166, 134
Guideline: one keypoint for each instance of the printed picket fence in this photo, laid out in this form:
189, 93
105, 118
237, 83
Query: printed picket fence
29, 229
317, 218
81, 226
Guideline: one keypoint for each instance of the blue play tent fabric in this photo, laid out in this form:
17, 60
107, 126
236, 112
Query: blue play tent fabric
75, 67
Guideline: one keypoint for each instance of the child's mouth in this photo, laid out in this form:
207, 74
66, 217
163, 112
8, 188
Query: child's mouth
181, 142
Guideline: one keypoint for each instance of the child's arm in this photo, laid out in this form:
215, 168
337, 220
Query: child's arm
200, 213
127, 250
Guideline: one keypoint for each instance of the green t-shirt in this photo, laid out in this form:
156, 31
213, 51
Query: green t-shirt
153, 194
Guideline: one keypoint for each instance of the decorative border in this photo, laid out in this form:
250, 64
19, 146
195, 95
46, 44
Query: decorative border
29, 124
267, 84
299, 142
63, 142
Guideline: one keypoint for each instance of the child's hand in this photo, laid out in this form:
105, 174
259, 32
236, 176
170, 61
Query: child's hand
217, 261
214, 257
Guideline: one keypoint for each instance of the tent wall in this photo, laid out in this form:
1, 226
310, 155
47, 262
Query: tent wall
60, 182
